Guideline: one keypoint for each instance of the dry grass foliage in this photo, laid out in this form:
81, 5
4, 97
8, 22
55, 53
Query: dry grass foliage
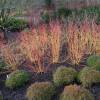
45, 42
11, 55
33, 44
55, 41
82, 40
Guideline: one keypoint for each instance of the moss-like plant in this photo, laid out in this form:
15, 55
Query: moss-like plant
89, 76
74, 92
64, 75
16, 79
40, 91
94, 61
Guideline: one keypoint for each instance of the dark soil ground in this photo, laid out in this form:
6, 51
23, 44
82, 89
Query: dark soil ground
19, 94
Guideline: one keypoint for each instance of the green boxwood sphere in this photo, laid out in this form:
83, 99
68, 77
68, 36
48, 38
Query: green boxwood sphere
40, 91
64, 75
94, 61
17, 79
88, 76
75, 92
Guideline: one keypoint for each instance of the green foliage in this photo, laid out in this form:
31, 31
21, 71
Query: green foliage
6, 7
59, 14
74, 92
94, 61
91, 10
40, 91
98, 20
17, 79
45, 17
63, 12
1, 96
13, 24
89, 76
2, 65
48, 3
64, 75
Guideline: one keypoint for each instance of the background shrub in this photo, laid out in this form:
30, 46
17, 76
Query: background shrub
94, 61
2, 65
64, 75
63, 12
40, 91
60, 13
92, 10
16, 79
74, 92
89, 76
13, 24
1, 96
45, 17
48, 2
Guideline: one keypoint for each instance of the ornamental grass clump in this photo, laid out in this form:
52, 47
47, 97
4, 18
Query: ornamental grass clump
89, 76
11, 55
82, 39
93, 61
17, 79
76, 41
33, 45
75, 92
64, 75
40, 43
40, 91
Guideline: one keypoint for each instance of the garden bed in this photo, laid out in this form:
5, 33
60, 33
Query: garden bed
52, 55
19, 94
